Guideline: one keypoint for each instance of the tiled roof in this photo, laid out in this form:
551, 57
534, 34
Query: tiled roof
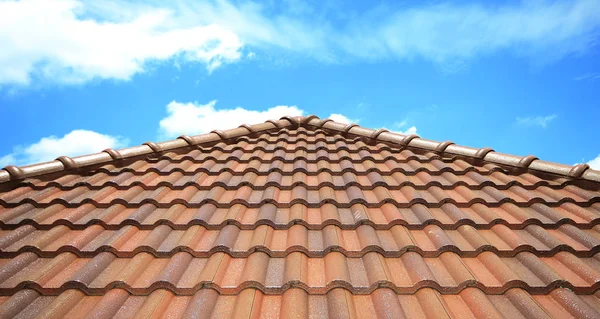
300, 217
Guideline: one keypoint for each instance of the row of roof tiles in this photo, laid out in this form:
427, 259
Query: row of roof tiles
213, 167
486, 154
230, 180
405, 196
418, 216
430, 241
297, 303
185, 274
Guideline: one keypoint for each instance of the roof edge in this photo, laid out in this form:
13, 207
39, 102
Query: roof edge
65, 163
530, 162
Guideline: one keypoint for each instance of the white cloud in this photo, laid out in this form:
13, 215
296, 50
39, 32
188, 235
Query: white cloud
450, 33
77, 142
70, 41
400, 125
182, 118
194, 118
447, 34
595, 163
408, 131
342, 119
50, 40
541, 121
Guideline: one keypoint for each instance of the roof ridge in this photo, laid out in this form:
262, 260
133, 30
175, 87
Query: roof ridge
65, 163
530, 162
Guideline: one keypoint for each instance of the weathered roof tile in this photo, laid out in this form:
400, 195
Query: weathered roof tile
300, 217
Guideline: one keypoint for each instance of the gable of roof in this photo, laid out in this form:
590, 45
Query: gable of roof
298, 218
530, 162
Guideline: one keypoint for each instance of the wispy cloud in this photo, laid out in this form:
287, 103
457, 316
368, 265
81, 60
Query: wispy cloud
588, 76
454, 32
73, 42
363, 106
447, 34
402, 123
74, 143
541, 121
194, 118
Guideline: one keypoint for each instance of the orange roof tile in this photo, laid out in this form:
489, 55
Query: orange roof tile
300, 217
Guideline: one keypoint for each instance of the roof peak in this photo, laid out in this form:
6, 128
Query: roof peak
530, 162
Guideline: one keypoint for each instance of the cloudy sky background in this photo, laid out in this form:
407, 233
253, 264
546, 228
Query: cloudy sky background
522, 77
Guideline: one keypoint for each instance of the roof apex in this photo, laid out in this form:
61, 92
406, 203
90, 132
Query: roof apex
530, 162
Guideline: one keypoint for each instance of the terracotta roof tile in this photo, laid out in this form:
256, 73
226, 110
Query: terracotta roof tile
470, 303
296, 218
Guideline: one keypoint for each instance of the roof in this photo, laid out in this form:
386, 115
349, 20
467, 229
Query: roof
300, 217
529, 162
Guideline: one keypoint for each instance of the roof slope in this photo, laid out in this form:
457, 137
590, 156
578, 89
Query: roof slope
300, 217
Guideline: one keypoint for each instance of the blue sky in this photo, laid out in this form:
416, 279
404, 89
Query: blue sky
522, 77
